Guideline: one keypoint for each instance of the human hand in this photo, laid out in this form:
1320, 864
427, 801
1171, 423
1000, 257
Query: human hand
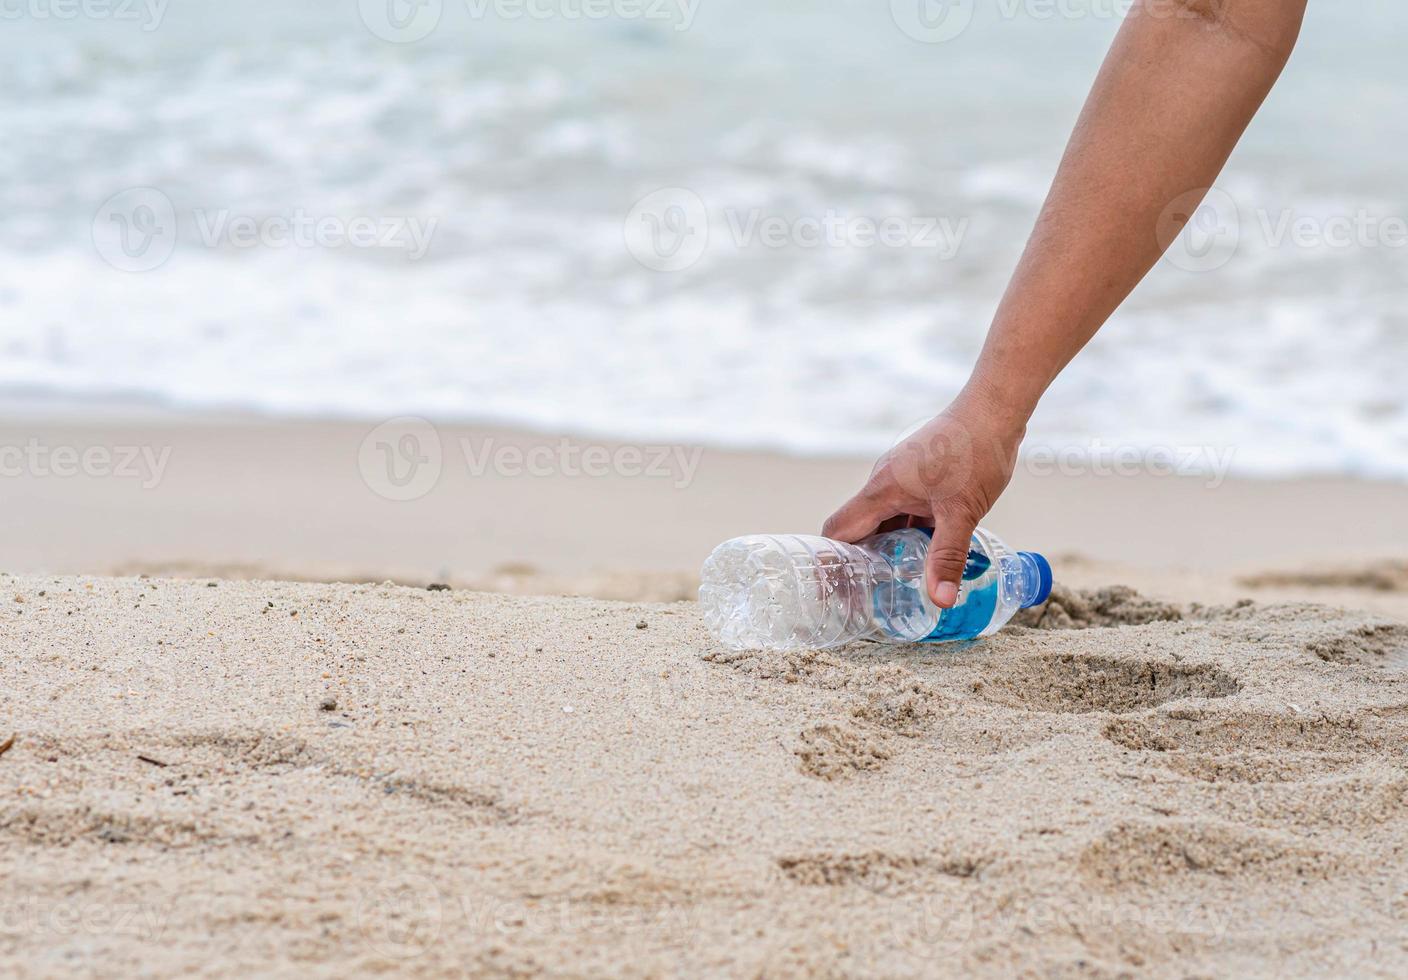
947, 475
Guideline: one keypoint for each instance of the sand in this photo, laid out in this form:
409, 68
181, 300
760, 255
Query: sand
248, 497
225, 775
228, 777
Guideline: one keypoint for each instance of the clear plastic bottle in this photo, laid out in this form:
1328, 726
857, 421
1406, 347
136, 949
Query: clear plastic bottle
796, 592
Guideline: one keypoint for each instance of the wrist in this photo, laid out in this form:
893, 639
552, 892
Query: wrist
1000, 406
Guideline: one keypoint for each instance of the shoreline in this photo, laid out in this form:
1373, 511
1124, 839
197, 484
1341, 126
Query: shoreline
245, 496
46, 410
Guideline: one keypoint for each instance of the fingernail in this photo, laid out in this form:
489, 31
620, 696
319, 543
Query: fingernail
946, 595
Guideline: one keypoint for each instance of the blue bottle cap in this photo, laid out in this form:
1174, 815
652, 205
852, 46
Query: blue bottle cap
1043, 568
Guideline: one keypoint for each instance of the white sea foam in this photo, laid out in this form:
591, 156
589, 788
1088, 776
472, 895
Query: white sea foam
527, 145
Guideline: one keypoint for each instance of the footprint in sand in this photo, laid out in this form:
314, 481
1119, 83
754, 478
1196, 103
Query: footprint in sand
1137, 854
885, 704
876, 871
1082, 684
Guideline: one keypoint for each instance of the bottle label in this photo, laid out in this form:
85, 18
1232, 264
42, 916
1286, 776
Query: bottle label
968, 619
975, 608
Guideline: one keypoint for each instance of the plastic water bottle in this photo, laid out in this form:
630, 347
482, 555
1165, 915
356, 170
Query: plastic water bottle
795, 591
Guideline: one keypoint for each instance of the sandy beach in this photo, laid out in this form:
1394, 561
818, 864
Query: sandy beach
224, 774
229, 777
377, 377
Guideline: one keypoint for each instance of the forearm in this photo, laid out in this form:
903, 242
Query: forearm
1178, 88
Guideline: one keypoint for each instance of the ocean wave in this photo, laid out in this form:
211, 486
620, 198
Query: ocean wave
517, 156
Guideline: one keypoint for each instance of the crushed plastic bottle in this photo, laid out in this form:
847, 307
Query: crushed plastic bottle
803, 592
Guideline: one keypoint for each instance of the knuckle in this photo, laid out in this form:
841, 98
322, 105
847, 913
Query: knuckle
879, 486
948, 558
957, 510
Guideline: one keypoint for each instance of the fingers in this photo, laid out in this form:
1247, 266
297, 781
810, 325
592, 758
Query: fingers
858, 517
948, 556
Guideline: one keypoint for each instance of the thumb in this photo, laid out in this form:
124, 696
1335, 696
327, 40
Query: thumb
948, 556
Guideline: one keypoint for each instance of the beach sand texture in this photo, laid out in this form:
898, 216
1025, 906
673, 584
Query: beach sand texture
226, 777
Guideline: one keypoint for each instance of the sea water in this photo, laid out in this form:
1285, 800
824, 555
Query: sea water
524, 144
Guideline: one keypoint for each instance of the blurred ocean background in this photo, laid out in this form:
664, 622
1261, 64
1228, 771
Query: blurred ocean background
527, 142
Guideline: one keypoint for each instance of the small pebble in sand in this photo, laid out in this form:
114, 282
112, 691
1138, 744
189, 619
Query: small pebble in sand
437, 587
641, 624
567, 709
328, 703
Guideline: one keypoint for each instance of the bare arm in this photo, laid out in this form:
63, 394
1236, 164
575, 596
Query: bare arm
1178, 88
